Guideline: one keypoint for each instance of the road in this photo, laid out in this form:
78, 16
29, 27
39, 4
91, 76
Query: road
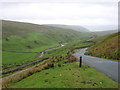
108, 67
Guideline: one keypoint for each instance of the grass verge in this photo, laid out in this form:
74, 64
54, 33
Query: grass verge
67, 76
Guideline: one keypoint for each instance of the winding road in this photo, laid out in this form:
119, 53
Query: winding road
108, 67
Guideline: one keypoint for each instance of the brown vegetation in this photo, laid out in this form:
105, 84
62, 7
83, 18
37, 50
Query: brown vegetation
70, 57
25, 73
107, 48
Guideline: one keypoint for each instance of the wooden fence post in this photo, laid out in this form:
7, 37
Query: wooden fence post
80, 61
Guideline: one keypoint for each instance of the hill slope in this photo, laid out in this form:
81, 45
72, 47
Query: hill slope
20, 36
106, 47
73, 27
103, 33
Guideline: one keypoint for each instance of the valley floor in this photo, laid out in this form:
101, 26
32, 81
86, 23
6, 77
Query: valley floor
55, 73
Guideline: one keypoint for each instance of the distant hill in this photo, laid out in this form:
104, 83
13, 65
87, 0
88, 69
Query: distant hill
73, 27
20, 36
103, 33
106, 47
101, 27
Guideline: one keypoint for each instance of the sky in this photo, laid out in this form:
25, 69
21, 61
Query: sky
92, 14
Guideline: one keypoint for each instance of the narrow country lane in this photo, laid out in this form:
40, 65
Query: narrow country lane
108, 67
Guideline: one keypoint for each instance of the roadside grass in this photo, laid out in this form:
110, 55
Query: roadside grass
67, 76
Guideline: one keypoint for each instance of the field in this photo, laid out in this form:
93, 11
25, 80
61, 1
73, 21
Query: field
16, 59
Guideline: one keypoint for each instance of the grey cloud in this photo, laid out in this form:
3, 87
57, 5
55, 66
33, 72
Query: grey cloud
89, 12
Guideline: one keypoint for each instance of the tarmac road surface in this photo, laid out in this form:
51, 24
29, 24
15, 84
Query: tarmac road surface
108, 67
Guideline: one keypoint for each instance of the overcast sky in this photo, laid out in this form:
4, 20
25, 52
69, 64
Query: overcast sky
93, 14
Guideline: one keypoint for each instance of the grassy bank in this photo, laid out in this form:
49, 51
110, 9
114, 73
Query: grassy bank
67, 76
106, 47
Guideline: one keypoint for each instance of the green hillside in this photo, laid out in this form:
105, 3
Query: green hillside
106, 47
26, 37
73, 27
20, 36
104, 33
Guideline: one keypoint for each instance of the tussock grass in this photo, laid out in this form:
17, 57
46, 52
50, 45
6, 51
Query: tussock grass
107, 48
25, 73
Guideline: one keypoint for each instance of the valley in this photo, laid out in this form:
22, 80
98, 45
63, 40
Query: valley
31, 50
